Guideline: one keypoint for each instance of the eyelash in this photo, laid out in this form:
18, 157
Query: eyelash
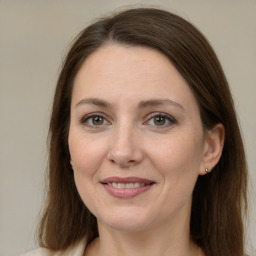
86, 118
168, 118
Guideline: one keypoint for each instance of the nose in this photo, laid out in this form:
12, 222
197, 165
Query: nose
125, 147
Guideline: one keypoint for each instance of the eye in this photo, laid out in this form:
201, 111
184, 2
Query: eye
94, 121
161, 120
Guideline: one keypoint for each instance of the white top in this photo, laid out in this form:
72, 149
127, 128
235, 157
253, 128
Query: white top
75, 250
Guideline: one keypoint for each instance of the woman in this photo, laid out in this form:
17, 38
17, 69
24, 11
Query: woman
146, 156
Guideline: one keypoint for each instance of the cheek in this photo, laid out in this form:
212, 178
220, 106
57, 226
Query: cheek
178, 161
86, 158
86, 154
180, 154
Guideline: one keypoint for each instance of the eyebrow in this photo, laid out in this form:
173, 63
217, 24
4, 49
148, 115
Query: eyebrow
158, 102
143, 104
94, 101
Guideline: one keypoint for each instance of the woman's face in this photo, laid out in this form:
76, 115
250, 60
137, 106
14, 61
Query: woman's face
136, 139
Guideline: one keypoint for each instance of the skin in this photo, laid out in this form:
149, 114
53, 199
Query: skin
129, 140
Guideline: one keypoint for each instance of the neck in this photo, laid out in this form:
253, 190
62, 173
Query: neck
168, 240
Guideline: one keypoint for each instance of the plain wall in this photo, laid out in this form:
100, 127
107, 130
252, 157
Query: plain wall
34, 36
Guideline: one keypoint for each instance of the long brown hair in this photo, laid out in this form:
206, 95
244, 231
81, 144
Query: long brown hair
219, 199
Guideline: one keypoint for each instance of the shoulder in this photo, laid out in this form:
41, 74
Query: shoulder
39, 252
75, 250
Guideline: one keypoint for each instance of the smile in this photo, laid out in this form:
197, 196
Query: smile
126, 187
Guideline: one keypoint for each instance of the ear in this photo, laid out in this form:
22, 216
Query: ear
214, 142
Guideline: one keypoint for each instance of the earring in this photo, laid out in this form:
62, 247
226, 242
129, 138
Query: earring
207, 170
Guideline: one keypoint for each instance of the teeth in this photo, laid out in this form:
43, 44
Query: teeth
120, 185
130, 185
126, 185
136, 185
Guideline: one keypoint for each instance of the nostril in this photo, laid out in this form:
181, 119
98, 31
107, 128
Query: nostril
125, 156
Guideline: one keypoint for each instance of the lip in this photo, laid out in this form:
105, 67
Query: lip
127, 192
127, 180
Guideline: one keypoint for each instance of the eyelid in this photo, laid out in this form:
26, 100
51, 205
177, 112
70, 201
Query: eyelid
86, 117
171, 119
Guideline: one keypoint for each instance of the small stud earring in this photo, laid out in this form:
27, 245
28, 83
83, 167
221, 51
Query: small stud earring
207, 170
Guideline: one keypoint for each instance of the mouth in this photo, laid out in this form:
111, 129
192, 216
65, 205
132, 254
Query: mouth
126, 187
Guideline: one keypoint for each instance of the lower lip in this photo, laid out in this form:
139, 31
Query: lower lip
126, 192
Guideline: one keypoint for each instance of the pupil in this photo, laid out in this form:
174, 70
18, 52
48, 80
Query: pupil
97, 120
159, 120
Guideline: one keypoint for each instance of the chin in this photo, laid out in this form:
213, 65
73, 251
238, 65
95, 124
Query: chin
124, 222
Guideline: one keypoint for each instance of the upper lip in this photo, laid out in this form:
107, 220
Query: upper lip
116, 179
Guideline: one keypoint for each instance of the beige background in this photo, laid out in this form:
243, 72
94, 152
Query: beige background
34, 36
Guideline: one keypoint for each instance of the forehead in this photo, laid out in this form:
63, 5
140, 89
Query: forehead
132, 61
117, 72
